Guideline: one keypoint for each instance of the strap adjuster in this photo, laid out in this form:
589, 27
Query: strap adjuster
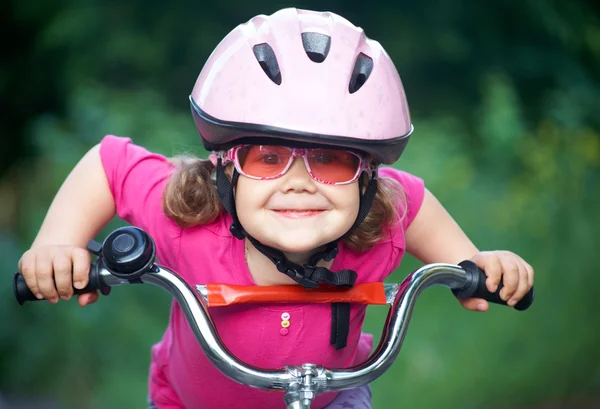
237, 230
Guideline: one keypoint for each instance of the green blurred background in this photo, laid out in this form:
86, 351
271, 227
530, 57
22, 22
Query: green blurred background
505, 99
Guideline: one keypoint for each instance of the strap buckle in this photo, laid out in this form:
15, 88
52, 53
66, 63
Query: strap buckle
294, 272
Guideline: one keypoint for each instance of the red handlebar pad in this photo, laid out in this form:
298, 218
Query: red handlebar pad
220, 295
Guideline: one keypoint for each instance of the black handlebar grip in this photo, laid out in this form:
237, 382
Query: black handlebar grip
475, 288
23, 293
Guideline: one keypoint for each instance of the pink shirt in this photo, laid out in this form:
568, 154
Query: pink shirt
180, 375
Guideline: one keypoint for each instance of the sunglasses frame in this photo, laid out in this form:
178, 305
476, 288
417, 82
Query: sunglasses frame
231, 155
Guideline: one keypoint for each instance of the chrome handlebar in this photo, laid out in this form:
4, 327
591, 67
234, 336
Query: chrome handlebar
302, 383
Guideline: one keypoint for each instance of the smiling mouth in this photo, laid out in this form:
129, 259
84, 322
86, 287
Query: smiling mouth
296, 214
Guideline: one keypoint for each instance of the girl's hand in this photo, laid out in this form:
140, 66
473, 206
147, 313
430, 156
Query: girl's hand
515, 273
51, 272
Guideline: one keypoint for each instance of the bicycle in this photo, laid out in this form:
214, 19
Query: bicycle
127, 256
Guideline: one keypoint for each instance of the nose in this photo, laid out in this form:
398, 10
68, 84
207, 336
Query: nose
298, 179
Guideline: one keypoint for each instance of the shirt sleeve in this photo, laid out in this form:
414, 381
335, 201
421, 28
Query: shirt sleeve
137, 180
413, 188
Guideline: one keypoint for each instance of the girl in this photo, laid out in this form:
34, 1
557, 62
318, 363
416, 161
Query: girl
301, 109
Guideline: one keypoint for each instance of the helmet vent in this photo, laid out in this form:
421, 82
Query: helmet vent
268, 61
362, 69
316, 46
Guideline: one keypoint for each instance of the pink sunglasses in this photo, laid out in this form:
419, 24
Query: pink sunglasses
265, 162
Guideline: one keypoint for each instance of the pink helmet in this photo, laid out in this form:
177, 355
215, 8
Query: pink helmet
302, 77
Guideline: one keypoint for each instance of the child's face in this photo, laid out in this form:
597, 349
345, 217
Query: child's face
295, 213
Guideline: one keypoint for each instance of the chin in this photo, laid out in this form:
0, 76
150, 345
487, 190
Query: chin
296, 246
293, 244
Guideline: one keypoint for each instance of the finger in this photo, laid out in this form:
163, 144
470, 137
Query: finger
528, 268
523, 286
81, 267
87, 298
493, 270
27, 270
62, 276
475, 304
510, 279
530, 274
44, 271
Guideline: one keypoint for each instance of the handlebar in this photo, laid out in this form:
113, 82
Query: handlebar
127, 257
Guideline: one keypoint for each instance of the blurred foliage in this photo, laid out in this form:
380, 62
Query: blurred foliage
504, 97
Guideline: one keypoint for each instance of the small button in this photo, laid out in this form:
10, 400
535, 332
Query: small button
283, 331
285, 323
123, 243
285, 316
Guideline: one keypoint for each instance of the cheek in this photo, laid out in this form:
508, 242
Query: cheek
345, 199
251, 197
247, 195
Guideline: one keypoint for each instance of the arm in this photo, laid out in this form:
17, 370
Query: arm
83, 205
57, 259
434, 237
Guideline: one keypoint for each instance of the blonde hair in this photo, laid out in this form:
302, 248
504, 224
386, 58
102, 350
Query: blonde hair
191, 199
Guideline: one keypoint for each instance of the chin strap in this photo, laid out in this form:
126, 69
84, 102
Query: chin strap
309, 275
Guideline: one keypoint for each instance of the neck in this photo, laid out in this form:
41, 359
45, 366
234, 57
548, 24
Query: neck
300, 258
